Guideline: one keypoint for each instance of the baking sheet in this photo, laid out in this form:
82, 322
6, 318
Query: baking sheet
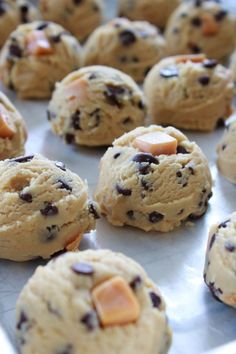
174, 261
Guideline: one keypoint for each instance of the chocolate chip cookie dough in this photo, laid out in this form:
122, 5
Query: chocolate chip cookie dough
13, 132
156, 12
95, 105
153, 178
36, 56
233, 65
13, 13
80, 17
46, 208
189, 92
132, 47
92, 302
220, 265
199, 26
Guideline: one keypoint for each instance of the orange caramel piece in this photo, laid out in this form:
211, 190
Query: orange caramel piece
115, 302
156, 143
209, 25
38, 44
195, 58
73, 243
77, 89
7, 128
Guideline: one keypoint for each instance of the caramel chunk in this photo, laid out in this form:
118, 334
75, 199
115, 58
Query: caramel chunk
209, 25
195, 58
7, 129
77, 89
156, 143
38, 44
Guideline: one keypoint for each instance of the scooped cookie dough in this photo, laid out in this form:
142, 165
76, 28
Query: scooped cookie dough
132, 47
227, 153
46, 208
95, 105
13, 13
220, 265
13, 132
156, 12
92, 302
78, 17
189, 92
36, 56
201, 26
233, 65
153, 178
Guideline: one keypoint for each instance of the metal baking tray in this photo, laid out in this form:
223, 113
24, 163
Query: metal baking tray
174, 260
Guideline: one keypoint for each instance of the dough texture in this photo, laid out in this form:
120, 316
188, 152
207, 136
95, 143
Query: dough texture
45, 208
78, 17
153, 192
233, 64
227, 153
220, 265
188, 94
104, 104
56, 313
201, 27
156, 12
12, 146
34, 76
132, 47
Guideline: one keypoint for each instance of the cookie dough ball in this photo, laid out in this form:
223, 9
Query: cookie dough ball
189, 92
227, 153
95, 105
132, 47
220, 265
156, 12
78, 17
13, 132
233, 65
46, 208
36, 56
92, 302
153, 178
201, 26
13, 13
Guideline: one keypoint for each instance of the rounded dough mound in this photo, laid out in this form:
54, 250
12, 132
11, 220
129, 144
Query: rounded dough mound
227, 153
132, 47
46, 208
220, 264
156, 12
201, 26
11, 146
34, 75
13, 13
153, 192
56, 313
78, 17
191, 93
95, 105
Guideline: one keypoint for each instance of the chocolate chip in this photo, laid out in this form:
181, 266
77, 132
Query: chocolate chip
22, 320
93, 211
204, 80
198, 3
215, 291
127, 120
224, 224
23, 159
75, 118
60, 165
136, 283
15, 50
82, 269
141, 105
155, 217
123, 59
213, 238
51, 233
130, 214
127, 37
220, 123
169, 72
230, 246
194, 217
64, 185
42, 26
95, 115
146, 185
175, 30
90, 320
180, 212
124, 191
181, 150
145, 157
117, 155
183, 15
179, 174
210, 63
194, 48
196, 21
49, 210
77, 2
24, 13
92, 76
2, 9
27, 197
113, 94
221, 15
69, 138
184, 184
156, 300
135, 59
209, 195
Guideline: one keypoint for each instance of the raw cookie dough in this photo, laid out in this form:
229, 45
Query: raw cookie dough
13, 132
156, 12
220, 265
13, 13
36, 56
46, 208
153, 192
58, 312
227, 153
78, 17
95, 105
233, 65
189, 92
201, 26
132, 47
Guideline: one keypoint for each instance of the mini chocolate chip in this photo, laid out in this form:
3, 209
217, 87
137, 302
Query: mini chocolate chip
146, 185
210, 63
90, 320
196, 21
22, 320
155, 217
156, 300
141, 105
24, 13
191, 170
82, 269
169, 72
220, 123
194, 217
145, 157
209, 195
183, 15
180, 212
213, 238
92, 76
224, 224
117, 155
223, 146
15, 50
60, 165
69, 138
127, 37
198, 3
184, 184
179, 174
2, 9
64, 185
136, 282
93, 211
23, 159
221, 15
77, 2
181, 150
230, 246
204, 80
124, 191
42, 26
113, 94
215, 292
194, 48
75, 118
175, 30
130, 214
27, 197
135, 59
127, 120
49, 210
51, 233
123, 59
